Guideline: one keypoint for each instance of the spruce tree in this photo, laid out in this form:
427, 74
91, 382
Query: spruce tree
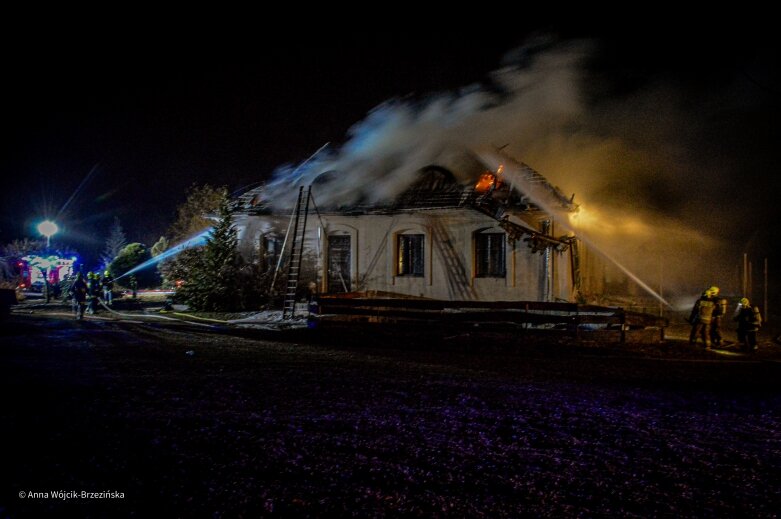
213, 280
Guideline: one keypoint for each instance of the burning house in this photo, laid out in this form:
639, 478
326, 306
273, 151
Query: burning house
489, 230
483, 241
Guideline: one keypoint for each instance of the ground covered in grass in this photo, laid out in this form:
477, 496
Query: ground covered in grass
198, 422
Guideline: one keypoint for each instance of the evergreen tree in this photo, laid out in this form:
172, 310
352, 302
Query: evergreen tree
191, 220
213, 277
115, 243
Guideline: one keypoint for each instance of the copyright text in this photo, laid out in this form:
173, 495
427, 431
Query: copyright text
66, 495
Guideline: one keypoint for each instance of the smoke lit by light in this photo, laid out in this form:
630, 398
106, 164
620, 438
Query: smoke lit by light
591, 221
583, 218
625, 157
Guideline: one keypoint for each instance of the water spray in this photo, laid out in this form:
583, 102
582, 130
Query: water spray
522, 177
195, 241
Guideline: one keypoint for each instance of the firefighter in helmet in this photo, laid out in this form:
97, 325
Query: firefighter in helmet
93, 290
749, 322
78, 293
694, 319
108, 287
702, 315
718, 316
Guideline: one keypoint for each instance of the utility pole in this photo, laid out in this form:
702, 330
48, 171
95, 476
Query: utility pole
661, 294
744, 285
764, 308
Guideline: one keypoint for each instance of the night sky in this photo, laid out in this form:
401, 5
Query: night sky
148, 124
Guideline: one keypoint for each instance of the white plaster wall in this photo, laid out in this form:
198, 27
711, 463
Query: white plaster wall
449, 271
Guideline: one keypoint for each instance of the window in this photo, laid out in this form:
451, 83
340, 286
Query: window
339, 278
410, 247
490, 256
271, 246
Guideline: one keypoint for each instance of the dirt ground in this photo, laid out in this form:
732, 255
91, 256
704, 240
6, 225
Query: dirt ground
193, 421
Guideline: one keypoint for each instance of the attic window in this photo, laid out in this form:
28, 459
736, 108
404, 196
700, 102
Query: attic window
410, 254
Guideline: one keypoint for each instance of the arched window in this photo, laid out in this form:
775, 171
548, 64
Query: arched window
490, 256
339, 263
411, 255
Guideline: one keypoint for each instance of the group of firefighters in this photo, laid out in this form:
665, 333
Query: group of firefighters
707, 316
85, 293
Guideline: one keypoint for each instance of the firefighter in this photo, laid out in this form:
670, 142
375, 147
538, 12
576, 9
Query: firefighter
108, 287
93, 289
78, 293
749, 322
718, 316
694, 319
702, 315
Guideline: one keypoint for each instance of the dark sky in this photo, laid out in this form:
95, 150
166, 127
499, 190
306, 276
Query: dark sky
151, 123
153, 127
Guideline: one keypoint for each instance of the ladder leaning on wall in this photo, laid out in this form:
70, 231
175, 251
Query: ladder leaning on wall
295, 234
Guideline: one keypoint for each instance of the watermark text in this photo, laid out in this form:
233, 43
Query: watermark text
67, 495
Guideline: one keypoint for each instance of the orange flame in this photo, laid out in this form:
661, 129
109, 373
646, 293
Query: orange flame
489, 181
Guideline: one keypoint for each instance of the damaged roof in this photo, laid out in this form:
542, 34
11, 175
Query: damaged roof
435, 188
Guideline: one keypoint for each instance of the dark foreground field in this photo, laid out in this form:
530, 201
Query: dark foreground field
251, 427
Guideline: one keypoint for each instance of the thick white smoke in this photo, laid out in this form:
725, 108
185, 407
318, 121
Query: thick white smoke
398, 138
632, 160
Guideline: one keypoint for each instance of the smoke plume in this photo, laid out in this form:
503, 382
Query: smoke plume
656, 186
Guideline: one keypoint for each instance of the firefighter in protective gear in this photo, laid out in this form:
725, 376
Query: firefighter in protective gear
694, 318
718, 317
702, 315
93, 291
108, 287
78, 293
749, 322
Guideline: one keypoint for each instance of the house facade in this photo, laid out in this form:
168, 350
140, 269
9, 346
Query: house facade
440, 239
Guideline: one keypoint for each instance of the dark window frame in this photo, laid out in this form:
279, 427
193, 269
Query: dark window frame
411, 255
271, 248
490, 255
339, 265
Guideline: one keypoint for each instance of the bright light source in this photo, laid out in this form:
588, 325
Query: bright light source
48, 229
583, 218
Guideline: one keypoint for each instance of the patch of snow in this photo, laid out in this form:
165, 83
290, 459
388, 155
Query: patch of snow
266, 316
270, 320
